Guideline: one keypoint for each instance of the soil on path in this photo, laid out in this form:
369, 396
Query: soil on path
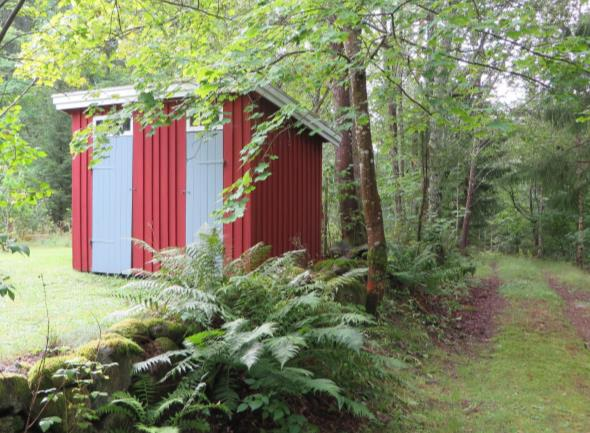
475, 321
577, 307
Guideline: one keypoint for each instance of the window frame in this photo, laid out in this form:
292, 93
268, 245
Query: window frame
123, 133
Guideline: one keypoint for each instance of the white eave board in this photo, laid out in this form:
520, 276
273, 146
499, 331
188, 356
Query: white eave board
127, 94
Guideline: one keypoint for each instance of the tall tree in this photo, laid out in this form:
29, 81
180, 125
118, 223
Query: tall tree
377, 248
352, 228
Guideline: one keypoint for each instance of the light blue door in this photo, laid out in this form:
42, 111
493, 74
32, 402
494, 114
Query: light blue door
204, 180
111, 208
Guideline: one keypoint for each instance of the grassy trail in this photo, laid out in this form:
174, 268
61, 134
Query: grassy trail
532, 377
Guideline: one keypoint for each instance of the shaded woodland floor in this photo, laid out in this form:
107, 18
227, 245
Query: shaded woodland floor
526, 366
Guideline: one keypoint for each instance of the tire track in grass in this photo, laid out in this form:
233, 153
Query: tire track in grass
576, 305
477, 319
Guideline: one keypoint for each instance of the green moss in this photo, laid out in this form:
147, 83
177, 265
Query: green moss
109, 347
135, 329
165, 344
339, 264
165, 328
15, 394
42, 371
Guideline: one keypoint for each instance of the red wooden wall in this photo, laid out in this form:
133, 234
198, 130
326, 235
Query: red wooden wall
159, 182
81, 201
284, 211
287, 207
237, 236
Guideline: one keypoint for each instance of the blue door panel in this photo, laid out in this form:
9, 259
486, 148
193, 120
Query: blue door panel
204, 180
111, 208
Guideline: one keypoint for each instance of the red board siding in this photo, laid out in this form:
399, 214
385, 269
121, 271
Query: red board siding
159, 182
287, 207
237, 236
81, 201
285, 211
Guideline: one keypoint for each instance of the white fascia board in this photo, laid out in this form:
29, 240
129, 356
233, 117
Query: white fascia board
128, 94
318, 126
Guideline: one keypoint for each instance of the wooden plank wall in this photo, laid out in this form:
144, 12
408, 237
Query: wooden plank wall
159, 182
81, 201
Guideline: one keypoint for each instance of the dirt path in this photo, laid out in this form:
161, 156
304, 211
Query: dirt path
477, 319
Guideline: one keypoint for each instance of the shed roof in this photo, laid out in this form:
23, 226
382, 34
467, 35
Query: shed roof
127, 94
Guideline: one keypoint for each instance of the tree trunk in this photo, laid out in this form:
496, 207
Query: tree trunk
541, 209
580, 245
351, 221
395, 159
579, 176
534, 220
377, 248
468, 204
425, 158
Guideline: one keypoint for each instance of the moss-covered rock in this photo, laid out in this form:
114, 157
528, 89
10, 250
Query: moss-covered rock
166, 328
164, 344
15, 394
41, 374
113, 348
337, 266
109, 347
12, 424
41, 378
135, 329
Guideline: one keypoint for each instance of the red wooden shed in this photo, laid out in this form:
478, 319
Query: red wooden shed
161, 187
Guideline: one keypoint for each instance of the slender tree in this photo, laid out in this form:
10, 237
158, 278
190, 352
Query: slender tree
377, 248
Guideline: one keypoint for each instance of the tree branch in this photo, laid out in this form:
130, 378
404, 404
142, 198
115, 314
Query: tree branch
11, 19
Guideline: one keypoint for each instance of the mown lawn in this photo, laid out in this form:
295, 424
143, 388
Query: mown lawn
77, 302
534, 377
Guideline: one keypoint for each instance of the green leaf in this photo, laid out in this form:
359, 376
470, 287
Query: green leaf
48, 422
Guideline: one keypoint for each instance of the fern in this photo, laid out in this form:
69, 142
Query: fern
265, 333
145, 389
286, 347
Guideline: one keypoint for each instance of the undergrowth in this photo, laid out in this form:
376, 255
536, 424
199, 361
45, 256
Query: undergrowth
269, 350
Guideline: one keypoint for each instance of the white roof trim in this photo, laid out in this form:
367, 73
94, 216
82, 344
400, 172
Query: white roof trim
127, 94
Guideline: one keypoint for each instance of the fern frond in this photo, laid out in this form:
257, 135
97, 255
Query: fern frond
344, 335
252, 354
164, 358
286, 347
346, 279
154, 429
311, 300
127, 404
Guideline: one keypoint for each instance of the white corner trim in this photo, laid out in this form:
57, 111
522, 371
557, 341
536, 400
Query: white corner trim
127, 94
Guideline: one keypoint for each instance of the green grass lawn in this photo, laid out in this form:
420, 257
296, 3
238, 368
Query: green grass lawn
534, 377
76, 301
